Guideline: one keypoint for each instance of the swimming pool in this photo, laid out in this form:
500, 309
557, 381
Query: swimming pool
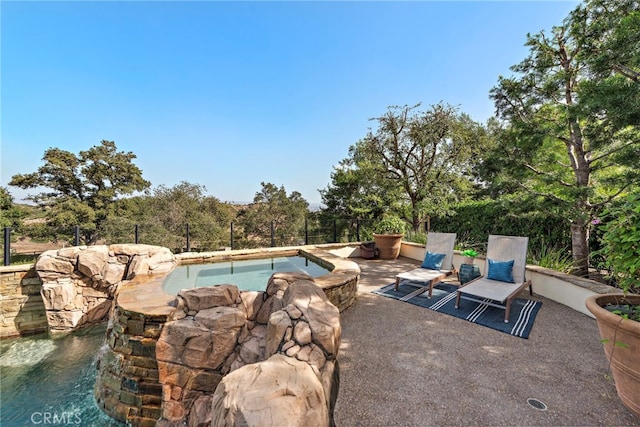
248, 275
49, 380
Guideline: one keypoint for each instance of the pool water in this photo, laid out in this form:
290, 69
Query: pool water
49, 381
247, 275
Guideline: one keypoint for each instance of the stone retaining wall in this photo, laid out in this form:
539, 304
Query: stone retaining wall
22, 310
169, 360
127, 386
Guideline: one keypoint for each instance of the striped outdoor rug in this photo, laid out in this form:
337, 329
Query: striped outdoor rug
523, 311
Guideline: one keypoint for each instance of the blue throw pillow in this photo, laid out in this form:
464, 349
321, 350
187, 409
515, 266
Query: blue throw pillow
501, 270
433, 261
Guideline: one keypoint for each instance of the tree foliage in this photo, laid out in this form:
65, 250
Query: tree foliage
621, 243
80, 190
10, 214
569, 136
163, 216
273, 209
416, 164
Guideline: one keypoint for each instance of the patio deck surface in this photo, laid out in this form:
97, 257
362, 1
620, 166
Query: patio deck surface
403, 365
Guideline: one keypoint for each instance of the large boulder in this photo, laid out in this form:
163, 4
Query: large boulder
322, 317
92, 262
215, 296
280, 391
202, 342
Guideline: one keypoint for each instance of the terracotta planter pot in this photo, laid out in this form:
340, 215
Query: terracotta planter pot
624, 358
388, 245
469, 260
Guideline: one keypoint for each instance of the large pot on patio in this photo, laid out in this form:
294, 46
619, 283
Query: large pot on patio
388, 245
621, 339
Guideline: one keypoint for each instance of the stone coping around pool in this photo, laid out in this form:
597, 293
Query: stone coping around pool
145, 294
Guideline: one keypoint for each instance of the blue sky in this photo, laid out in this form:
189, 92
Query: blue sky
232, 94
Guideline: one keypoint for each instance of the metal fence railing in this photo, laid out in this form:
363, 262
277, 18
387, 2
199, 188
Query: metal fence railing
185, 238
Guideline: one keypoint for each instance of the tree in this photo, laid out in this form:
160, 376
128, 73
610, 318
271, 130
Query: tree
6, 200
83, 188
10, 214
209, 219
273, 209
416, 162
354, 196
564, 139
163, 216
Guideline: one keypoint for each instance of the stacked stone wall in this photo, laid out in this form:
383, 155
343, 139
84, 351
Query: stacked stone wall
127, 386
341, 285
341, 289
22, 310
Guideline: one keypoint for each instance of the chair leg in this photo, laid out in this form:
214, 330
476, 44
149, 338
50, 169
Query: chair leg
507, 311
458, 299
397, 283
432, 283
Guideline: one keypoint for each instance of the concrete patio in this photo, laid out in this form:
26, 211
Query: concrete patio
403, 365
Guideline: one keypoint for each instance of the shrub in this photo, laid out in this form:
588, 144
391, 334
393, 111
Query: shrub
390, 224
621, 243
551, 256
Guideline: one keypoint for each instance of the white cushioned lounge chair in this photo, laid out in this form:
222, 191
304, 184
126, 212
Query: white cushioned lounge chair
437, 264
503, 277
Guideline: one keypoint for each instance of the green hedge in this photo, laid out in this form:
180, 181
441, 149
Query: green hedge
474, 221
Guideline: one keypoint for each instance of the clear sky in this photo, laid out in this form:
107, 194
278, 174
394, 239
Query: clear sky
232, 94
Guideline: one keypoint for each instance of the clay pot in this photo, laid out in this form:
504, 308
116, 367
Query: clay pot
388, 245
624, 358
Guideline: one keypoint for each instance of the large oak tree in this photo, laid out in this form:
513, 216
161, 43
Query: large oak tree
570, 115
416, 163
80, 189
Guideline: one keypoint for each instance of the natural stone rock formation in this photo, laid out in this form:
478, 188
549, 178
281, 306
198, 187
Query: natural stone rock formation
78, 283
165, 356
274, 351
281, 391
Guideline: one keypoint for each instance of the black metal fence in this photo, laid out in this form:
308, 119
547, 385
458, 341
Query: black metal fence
188, 237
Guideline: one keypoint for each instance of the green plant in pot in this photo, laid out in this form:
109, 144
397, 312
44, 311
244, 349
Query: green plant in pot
469, 256
387, 234
618, 315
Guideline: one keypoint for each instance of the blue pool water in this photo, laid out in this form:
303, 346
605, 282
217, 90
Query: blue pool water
248, 275
49, 381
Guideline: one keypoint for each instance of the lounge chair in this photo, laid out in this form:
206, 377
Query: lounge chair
437, 264
504, 274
